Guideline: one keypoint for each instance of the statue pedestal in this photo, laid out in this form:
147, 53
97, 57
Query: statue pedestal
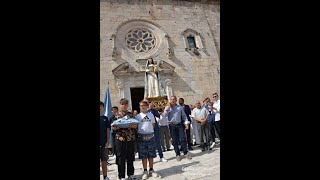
159, 102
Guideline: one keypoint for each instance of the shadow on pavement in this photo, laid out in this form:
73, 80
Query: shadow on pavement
175, 169
204, 152
194, 154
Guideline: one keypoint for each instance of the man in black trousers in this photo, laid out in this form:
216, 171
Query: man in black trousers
187, 110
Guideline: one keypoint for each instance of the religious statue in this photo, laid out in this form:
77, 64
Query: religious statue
153, 87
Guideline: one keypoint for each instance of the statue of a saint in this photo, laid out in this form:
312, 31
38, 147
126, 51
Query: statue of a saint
152, 86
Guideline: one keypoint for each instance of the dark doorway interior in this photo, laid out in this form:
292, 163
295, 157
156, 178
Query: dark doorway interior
137, 94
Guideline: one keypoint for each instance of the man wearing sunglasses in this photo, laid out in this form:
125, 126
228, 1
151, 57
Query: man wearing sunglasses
216, 110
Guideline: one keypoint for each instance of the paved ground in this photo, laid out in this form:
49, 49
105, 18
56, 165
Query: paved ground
203, 166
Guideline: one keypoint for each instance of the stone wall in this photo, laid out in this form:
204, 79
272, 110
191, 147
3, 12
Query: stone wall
194, 76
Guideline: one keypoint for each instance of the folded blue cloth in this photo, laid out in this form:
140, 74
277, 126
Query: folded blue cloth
124, 123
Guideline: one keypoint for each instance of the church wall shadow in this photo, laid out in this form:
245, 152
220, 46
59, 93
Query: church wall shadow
180, 84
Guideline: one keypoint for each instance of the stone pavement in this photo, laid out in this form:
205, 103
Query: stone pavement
203, 166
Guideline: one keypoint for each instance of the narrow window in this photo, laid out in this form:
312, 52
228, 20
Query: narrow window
191, 42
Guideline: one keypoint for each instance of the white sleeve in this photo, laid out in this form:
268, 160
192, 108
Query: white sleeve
193, 114
218, 107
160, 120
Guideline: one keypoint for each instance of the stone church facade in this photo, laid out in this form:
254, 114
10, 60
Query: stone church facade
181, 37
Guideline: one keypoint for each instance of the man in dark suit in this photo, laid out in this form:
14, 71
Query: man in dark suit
187, 110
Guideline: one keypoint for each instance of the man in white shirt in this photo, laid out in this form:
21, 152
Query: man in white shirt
200, 114
216, 110
164, 133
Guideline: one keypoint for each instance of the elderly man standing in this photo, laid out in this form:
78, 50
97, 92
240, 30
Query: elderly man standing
194, 128
178, 122
200, 114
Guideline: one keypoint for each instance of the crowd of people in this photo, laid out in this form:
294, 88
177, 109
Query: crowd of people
179, 125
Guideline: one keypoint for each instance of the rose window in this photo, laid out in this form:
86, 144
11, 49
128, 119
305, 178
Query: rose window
140, 40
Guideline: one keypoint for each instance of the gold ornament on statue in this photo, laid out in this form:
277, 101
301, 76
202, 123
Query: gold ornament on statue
159, 102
